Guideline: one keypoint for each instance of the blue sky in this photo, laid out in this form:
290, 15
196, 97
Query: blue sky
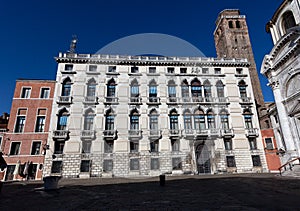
33, 32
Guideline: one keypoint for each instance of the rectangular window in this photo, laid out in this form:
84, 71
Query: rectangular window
154, 146
230, 161
269, 143
134, 69
36, 148
134, 147
112, 69
175, 145
108, 146
15, 148
45, 93
252, 143
171, 70
204, 70
86, 146
239, 71
59, 147
85, 166
40, 124
176, 163
134, 164
183, 70
228, 143
152, 70
56, 167
256, 160
154, 164
68, 67
92, 68
20, 123
107, 165
217, 70
25, 92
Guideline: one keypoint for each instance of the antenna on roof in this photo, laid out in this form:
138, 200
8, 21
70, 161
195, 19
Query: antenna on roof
73, 44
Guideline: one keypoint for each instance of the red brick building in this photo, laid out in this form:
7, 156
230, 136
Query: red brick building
28, 127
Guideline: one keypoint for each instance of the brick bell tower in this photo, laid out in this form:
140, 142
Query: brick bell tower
232, 41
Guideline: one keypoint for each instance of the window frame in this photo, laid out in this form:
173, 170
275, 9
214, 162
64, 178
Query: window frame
42, 92
11, 147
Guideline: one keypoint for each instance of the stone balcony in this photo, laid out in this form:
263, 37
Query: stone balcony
110, 134
90, 100
61, 134
88, 134
64, 100
252, 132
135, 101
227, 133
153, 101
111, 100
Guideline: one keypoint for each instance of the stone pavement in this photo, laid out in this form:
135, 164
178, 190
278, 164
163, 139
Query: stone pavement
220, 192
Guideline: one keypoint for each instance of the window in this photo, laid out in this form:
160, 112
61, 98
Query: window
239, 71
20, 121
176, 163
187, 117
204, 70
26, 92
220, 89
173, 122
153, 118
91, 88
172, 91
108, 146
134, 69
111, 89
199, 120
112, 69
242, 88
288, 21
68, 67
134, 91
211, 120
237, 24
153, 92
224, 120
154, 163
230, 161
269, 143
15, 148
45, 93
62, 120
134, 146
152, 70
196, 90
89, 120
92, 68
66, 87
85, 166
154, 146
185, 91
248, 119
256, 160
109, 121
171, 70
207, 91
59, 147
36, 148
107, 165
134, 120
252, 143
86, 147
230, 24
228, 143
134, 164
40, 121
217, 70
175, 145
56, 167
183, 70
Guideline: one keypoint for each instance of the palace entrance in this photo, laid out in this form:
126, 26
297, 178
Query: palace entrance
203, 159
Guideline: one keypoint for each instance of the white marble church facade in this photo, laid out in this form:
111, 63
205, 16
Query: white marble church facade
145, 116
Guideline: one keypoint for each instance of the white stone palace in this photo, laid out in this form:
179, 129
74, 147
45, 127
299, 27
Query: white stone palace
148, 115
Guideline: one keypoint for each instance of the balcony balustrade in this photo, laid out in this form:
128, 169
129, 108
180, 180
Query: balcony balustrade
135, 134
155, 134
173, 100
88, 134
110, 134
61, 134
227, 133
174, 133
245, 100
135, 100
64, 100
153, 100
111, 100
251, 132
90, 100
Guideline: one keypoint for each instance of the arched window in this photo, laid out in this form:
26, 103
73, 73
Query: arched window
111, 89
185, 91
220, 90
243, 91
248, 119
288, 21
153, 122
153, 91
109, 122
187, 118
224, 119
230, 24
207, 91
134, 120
211, 120
199, 120
173, 122
89, 120
172, 91
91, 88
62, 119
237, 24
66, 87
134, 91
196, 90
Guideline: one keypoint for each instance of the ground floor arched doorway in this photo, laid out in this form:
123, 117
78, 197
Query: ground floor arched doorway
203, 159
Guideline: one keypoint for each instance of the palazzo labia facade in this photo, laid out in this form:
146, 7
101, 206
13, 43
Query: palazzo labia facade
146, 115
